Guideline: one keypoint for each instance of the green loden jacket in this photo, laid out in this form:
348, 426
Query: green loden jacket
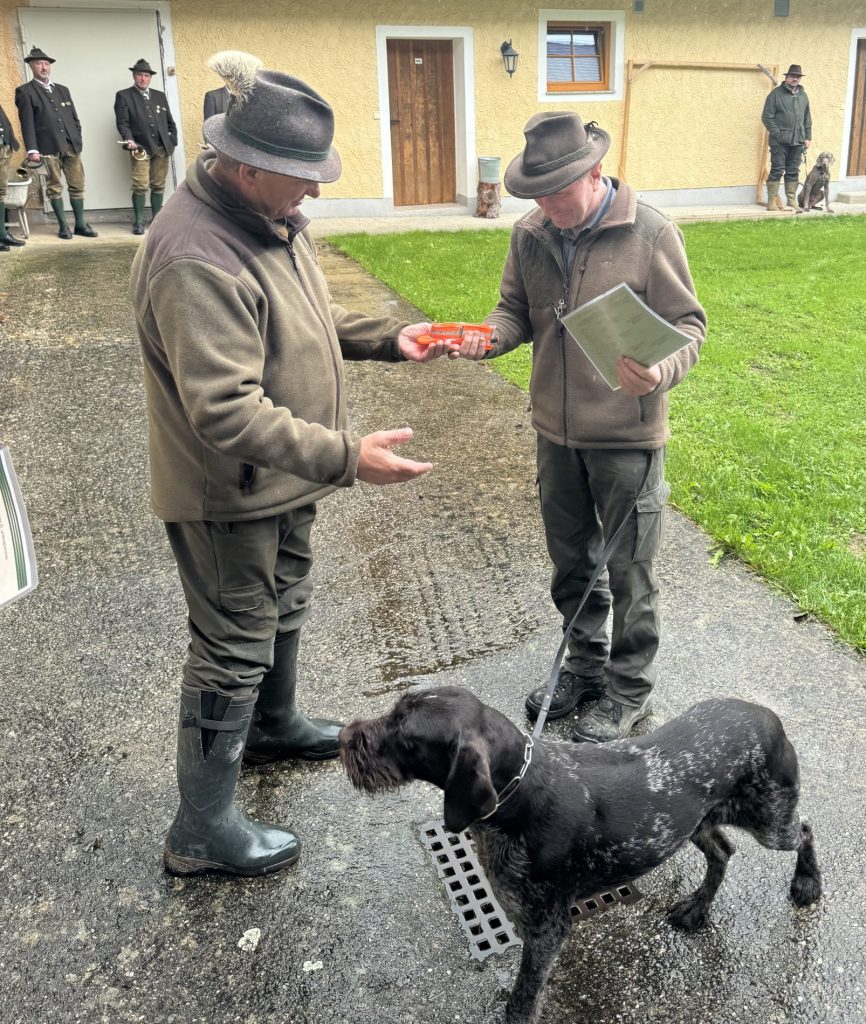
571, 402
243, 360
787, 117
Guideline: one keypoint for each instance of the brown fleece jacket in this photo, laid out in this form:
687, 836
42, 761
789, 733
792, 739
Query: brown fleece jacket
571, 403
243, 352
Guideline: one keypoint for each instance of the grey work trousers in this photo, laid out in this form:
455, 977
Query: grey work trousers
584, 495
244, 583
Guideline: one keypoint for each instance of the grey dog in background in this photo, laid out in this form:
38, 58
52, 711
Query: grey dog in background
817, 185
585, 817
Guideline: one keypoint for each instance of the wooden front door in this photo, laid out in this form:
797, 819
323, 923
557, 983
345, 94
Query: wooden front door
421, 89
857, 147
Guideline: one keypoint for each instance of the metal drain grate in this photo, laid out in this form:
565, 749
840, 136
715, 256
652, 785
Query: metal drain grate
481, 918
478, 911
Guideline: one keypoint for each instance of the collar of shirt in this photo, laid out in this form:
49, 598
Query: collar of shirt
47, 86
144, 92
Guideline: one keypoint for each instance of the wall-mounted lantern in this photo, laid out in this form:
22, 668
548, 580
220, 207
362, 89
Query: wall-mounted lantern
509, 57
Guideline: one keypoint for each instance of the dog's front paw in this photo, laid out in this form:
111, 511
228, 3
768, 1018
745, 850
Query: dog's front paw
689, 915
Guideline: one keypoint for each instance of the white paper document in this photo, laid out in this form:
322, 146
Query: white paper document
617, 324
17, 561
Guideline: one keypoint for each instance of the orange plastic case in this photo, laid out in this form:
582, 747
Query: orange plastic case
453, 333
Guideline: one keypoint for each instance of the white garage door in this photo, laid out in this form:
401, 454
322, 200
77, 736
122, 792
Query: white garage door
94, 50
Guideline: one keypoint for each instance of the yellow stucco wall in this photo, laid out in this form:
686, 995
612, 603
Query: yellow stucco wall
688, 128
10, 59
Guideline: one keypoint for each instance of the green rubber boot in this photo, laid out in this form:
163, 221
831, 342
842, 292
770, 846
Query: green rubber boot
138, 213
209, 833
773, 197
279, 730
791, 194
60, 214
156, 199
81, 227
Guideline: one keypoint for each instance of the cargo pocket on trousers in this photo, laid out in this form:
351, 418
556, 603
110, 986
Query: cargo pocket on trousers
650, 522
244, 613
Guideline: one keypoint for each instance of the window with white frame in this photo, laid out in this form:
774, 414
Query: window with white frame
580, 54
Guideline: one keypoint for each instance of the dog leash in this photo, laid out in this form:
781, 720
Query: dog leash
609, 549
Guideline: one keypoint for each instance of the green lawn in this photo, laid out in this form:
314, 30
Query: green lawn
769, 447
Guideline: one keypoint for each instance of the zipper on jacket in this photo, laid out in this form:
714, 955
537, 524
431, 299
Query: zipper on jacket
291, 250
247, 475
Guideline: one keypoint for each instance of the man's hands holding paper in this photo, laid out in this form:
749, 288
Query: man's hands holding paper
636, 379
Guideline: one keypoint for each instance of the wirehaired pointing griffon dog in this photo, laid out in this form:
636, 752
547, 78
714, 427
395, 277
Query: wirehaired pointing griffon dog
584, 818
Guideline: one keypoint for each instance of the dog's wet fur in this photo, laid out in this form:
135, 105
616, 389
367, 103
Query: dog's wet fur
589, 817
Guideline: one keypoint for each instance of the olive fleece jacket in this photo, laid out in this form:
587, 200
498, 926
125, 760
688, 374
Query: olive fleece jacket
571, 402
243, 352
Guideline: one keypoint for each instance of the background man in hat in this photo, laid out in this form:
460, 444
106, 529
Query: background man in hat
589, 234
788, 121
8, 145
52, 131
243, 352
145, 124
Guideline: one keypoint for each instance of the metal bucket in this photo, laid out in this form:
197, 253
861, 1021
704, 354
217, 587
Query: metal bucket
488, 168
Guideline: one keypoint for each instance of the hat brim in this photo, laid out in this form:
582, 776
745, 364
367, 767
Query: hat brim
217, 135
534, 186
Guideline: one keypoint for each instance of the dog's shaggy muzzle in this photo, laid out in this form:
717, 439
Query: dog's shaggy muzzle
363, 751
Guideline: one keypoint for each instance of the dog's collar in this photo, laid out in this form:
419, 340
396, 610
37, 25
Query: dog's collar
510, 788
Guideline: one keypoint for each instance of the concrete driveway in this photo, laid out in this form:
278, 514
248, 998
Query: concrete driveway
439, 582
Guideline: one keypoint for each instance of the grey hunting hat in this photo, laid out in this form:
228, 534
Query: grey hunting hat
278, 123
559, 150
141, 66
37, 54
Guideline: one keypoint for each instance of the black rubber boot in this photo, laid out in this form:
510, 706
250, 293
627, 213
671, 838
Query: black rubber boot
5, 238
138, 213
279, 730
209, 833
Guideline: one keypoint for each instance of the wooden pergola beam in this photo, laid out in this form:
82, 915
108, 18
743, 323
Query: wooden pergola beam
637, 67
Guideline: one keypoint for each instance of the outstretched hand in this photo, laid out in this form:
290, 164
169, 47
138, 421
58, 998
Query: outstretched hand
410, 349
377, 464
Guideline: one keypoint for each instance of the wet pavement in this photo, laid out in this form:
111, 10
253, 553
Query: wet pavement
439, 582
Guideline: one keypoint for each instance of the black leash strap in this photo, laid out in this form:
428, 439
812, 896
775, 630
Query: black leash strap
609, 549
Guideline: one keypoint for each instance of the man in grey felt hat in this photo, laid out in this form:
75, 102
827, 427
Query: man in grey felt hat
788, 120
589, 234
146, 126
243, 350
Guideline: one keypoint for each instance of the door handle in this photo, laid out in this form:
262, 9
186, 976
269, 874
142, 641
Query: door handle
395, 120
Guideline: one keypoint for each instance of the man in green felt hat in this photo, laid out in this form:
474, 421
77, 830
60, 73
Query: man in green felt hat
52, 131
145, 124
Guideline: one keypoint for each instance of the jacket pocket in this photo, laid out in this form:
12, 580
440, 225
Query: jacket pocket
650, 522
